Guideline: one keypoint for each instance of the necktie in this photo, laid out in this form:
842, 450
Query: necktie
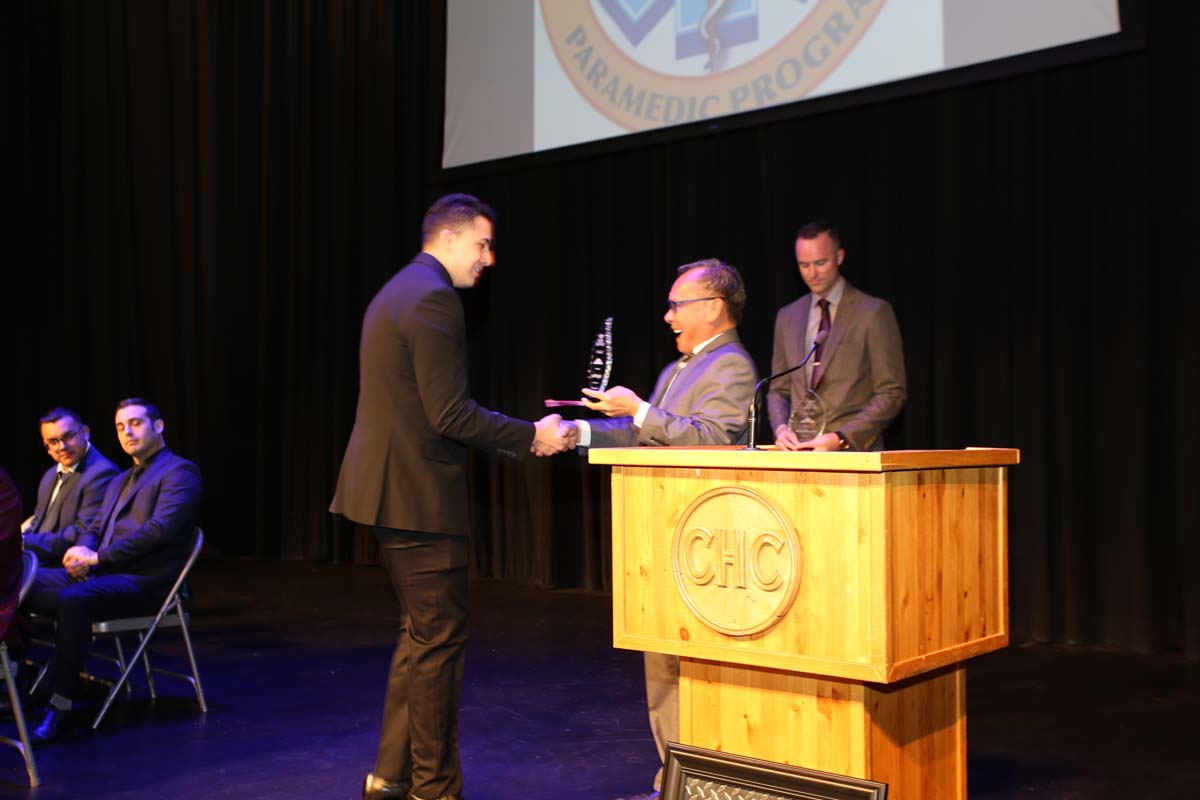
62, 478
671, 382
50, 521
824, 326
111, 525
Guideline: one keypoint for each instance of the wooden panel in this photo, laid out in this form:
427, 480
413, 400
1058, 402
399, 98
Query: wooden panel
837, 621
900, 572
948, 558
771, 459
918, 736
779, 716
911, 735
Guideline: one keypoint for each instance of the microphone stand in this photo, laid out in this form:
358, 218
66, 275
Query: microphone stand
758, 387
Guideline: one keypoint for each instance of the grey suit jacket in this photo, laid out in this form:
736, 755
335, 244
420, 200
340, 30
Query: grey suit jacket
405, 464
707, 404
57, 528
861, 380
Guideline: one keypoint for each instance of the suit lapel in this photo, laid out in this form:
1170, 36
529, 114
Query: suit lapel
681, 388
125, 495
45, 489
53, 512
841, 322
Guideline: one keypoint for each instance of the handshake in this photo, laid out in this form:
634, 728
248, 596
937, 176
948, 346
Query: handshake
555, 434
552, 435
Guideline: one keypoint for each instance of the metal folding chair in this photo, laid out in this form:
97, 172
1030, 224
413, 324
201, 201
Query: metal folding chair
171, 615
29, 566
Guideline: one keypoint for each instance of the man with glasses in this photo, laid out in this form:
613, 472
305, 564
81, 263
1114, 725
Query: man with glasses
69, 495
703, 398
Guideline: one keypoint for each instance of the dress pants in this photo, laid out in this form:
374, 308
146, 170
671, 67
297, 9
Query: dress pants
662, 700
419, 741
74, 605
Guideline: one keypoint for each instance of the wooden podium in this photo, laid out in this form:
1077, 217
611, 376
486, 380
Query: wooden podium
822, 604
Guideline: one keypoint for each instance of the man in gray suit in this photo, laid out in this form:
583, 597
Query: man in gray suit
703, 398
857, 372
404, 474
70, 493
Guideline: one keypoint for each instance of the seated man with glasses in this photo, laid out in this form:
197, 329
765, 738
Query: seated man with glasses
69, 495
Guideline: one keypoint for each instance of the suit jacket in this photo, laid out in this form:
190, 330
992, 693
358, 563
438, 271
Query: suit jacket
154, 519
707, 404
405, 464
861, 380
56, 529
10, 550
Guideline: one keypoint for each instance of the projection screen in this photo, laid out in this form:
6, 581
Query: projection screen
525, 76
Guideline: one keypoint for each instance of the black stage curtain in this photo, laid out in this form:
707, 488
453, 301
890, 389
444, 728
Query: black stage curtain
209, 192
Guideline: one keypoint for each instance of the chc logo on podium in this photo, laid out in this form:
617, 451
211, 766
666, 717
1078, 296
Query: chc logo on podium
737, 560
649, 63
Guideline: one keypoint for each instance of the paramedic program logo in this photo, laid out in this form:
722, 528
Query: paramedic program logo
649, 63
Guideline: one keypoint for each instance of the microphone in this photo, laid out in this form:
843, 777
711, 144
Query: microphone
758, 387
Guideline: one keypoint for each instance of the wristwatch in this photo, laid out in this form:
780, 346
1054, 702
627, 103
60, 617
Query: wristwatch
845, 443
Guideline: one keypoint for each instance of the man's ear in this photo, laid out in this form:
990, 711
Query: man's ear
158, 426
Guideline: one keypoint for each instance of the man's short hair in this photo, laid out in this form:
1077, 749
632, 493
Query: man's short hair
57, 413
454, 211
814, 229
151, 409
724, 281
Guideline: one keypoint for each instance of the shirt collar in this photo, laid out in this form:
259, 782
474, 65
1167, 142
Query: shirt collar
696, 350
71, 470
834, 295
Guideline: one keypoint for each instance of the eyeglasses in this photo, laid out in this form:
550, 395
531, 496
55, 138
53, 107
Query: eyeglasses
675, 304
54, 444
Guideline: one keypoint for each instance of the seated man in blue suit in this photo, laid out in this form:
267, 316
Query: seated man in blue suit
122, 565
69, 494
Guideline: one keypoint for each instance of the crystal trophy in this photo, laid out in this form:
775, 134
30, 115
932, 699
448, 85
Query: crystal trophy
809, 416
599, 367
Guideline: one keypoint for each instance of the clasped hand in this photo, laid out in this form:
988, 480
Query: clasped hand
79, 561
553, 434
786, 439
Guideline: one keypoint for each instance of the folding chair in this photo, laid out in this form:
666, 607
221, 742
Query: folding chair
29, 567
171, 615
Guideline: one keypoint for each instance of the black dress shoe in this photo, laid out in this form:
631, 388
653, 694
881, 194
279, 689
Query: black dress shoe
52, 727
377, 788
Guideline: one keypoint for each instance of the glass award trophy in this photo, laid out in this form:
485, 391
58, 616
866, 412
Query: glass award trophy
809, 416
599, 367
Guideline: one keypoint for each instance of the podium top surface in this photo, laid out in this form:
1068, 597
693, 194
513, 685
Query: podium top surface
735, 457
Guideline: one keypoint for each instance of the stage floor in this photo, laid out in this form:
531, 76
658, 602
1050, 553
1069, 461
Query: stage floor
294, 655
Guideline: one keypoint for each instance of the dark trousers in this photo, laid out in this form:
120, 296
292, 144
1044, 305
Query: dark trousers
74, 605
419, 741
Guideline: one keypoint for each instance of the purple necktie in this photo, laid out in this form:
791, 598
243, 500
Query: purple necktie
824, 327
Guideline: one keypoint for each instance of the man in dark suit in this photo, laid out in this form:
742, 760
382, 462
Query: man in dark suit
857, 372
404, 474
122, 565
703, 398
69, 494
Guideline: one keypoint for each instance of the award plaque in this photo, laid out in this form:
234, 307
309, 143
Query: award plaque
599, 367
809, 416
